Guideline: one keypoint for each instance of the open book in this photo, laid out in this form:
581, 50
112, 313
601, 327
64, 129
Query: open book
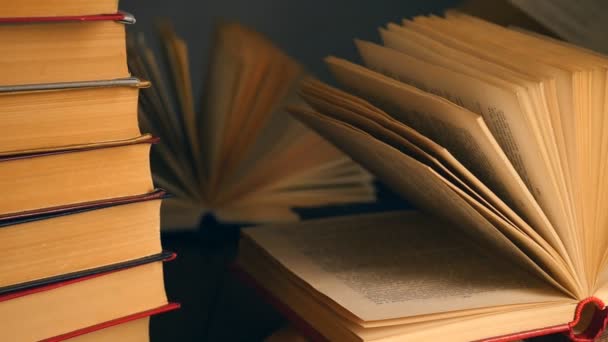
240, 157
501, 133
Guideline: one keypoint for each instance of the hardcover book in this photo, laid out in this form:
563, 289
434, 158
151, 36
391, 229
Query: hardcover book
56, 8
74, 174
132, 328
405, 276
34, 49
497, 133
46, 115
96, 234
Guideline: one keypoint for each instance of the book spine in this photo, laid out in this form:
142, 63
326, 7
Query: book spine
595, 327
590, 333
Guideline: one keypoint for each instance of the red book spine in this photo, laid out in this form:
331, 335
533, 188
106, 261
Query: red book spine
594, 328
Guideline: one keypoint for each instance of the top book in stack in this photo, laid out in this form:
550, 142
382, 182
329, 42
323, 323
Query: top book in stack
56, 8
64, 69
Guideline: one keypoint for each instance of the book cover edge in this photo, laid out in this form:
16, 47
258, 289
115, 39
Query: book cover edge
11, 219
120, 17
25, 154
114, 322
50, 283
593, 331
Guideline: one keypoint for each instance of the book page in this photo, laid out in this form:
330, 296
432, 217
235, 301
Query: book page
336, 324
460, 131
398, 265
581, 116
354, 111
502, 108
423, 188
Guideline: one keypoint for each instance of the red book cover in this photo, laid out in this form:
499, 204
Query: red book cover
594, 328
122, 17
108, 324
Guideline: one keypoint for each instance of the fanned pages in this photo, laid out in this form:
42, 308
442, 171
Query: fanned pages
499, 133
240, 157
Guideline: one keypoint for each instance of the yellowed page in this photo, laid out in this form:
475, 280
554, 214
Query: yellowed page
226, 69
290, 167
397, 265
333, 322
132, 331
479, 327
586, 152
462, 132
601, 290
565, 78
158, 116
541, 91
506, 119
418, 184
259, 213
266, 79
346, 108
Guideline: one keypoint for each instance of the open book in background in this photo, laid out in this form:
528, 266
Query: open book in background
239, 156
500, 133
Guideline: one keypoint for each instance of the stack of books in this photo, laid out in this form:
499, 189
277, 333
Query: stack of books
79, 214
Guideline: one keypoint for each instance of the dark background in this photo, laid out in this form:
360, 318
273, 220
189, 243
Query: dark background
216, 306
307, 30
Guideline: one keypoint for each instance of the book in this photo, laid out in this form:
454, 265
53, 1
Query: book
35, 50
398, 276
83, 302
134, 328
35, 245
498, 133
57, 8
68, 113
239, 156
137, 330
74, 174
